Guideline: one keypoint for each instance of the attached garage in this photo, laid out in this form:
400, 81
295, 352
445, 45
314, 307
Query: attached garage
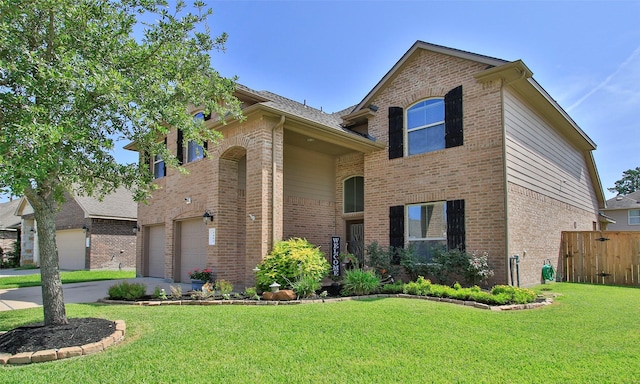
71, 249
193, 248
155, 257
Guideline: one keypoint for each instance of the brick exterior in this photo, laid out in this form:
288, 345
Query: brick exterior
473, 172
113, 245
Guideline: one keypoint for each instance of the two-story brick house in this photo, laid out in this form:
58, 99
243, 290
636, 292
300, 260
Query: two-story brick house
449, 148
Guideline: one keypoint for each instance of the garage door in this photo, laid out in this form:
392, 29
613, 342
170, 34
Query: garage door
71, 249
193, 247
156, 251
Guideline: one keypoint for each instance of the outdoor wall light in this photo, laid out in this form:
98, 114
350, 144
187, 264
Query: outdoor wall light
207, 217
135, 228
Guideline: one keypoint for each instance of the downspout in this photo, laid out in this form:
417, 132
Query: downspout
273, 179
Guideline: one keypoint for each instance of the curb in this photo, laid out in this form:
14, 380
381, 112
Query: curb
67, 352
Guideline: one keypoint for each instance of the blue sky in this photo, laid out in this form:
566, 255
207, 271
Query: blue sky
585, 54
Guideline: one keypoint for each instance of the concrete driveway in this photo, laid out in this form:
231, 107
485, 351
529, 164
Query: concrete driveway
89, 292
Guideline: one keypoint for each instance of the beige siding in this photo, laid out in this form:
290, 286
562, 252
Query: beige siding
540, 159
308, 174
621, 216
71, 249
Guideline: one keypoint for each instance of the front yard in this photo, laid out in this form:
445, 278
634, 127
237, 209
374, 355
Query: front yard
590, 334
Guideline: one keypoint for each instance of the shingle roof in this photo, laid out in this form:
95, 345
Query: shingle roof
630, 201
118, 205
8, 219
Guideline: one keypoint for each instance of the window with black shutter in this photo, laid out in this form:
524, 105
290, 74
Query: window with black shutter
396, 132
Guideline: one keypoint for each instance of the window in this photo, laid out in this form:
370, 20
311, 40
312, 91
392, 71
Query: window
427, 228
354, 194
634, 217
195, 151
425, 126
429, 125
158, 167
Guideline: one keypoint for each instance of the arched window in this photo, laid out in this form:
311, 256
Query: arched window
425, 126
354, 194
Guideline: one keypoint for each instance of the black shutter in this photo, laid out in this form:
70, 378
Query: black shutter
396, 134
396, 230
205, 145
164, 163
180, 151
455, 224
453, 136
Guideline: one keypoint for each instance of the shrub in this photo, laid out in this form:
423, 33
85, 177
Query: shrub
478, 270
223, 286
127, 291
360, 282
251, 293
289, 260
420, 287
383, 260
159, 293
396, 287
515, 295
176, 292
306, 286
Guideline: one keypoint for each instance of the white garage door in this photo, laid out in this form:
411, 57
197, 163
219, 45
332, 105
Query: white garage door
156, 251
71, 249
193, 247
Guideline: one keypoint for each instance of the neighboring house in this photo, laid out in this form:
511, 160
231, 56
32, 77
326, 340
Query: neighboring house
9, 226
449, 148
625, 210
90, 234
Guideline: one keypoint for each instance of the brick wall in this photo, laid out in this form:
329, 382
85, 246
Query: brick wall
473, 172
535, 225
113, 245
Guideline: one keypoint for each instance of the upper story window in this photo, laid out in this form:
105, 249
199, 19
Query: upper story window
354, 194
158, 167
195, 151
634, 217
425, 126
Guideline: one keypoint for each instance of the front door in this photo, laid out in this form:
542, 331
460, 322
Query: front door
355, 239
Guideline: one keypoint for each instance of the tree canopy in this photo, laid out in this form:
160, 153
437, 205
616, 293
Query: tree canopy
629, 183
78, 76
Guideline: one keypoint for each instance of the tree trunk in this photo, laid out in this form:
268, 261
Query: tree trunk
44, 210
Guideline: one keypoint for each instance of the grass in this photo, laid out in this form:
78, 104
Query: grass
33, 280
589, 335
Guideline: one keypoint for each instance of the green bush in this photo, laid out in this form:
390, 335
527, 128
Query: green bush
251, 293
420, 287
396, 287
289, 260
515, 295
127, 291
306, 286
360, 282
223, 286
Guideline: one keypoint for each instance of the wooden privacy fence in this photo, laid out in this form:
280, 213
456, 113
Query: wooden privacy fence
611, 258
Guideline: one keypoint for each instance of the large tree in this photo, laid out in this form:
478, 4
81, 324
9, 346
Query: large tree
79, 76
629, 183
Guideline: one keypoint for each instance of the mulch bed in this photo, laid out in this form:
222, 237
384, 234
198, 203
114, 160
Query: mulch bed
37, 337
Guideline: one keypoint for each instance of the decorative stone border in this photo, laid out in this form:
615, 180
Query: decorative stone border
63, 353
511, 307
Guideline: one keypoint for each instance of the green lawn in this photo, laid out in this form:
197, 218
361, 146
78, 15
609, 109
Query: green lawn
589, 335
33, 280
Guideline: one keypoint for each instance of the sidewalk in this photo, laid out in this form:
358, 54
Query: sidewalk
87, 292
